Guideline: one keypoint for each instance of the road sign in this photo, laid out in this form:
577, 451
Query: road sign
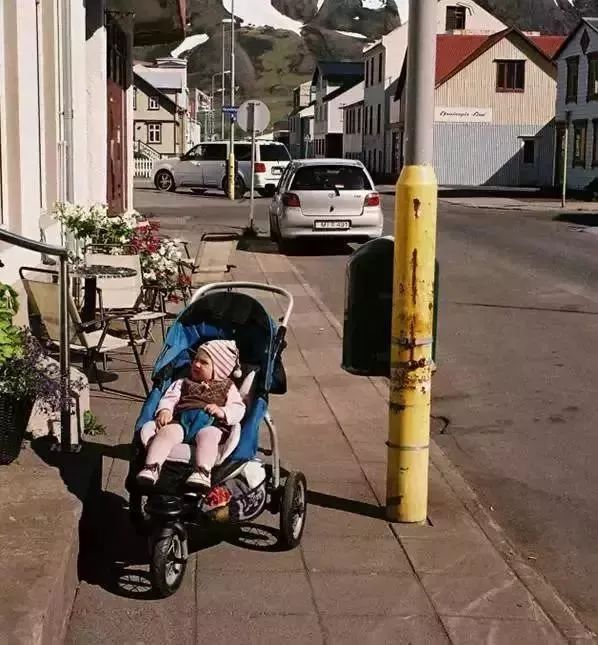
253, 116
229, 109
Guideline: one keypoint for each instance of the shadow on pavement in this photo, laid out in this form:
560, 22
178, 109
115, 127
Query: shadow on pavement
348, 505
582, 219
311, 247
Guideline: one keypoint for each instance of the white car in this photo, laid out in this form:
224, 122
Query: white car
325, 198
205, 167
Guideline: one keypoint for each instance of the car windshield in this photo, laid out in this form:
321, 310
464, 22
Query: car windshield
274, 152
331, 178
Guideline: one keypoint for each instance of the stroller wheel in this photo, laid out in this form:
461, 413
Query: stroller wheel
293, 510
168, 560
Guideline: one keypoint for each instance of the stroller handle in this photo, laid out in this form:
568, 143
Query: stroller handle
256, 286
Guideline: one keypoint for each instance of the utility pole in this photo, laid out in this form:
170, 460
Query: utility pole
224, 22
231, 154
413, 294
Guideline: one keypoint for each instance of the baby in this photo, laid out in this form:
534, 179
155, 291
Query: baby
200, 409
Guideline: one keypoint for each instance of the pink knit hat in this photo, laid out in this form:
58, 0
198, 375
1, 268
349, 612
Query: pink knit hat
225, 358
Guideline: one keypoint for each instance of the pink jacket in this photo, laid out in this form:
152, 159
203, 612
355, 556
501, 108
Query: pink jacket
234, 409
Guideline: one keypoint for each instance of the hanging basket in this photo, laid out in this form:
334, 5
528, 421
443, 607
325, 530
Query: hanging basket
14, 418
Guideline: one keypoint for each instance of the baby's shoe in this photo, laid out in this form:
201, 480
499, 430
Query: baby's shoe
200, 478
149, 475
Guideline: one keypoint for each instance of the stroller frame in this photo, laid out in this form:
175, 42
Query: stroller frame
163, 518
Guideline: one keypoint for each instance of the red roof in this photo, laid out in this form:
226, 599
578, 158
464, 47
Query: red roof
548, 44
452, 50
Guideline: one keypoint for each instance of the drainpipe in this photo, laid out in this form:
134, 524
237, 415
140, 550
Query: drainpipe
67, 100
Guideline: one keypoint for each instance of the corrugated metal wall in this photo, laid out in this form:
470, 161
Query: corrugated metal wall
478, 154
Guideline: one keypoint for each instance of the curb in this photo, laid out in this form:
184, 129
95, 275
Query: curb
558, 611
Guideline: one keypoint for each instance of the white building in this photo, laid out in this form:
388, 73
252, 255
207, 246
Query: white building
577, 106
353, 130
383, 62
65, 110
332, 82
301, 122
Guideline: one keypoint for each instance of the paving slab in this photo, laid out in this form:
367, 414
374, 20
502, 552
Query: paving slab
355, 578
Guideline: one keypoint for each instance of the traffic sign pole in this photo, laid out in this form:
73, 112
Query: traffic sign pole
253, 117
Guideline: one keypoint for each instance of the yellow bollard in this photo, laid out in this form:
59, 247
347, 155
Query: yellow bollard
411, 349
231, 175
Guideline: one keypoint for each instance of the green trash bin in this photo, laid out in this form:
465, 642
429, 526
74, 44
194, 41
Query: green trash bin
367, 325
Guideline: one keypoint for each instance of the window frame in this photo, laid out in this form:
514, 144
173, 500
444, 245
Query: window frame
570, 97
158, 125
505, 89
153, 103
592, 61
457, 10
580, 126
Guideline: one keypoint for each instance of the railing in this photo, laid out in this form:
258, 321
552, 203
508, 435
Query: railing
65, 368
143, 168
147, 151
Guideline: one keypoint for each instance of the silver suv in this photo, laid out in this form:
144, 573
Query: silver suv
205, 167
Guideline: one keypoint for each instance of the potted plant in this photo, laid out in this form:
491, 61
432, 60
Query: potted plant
26, 376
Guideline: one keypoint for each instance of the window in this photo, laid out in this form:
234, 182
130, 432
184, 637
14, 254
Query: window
455, 18
154, 133
380, 164
510, 76
273, 152
593, 77
580, 137
372, 69
379, 119
367, 73
595, 143
380, 67
371, 123
134, 98
153, 103
215, 152
529, 151
359, 121
572, 79
242, 152
325, 177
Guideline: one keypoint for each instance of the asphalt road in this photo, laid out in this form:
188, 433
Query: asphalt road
517, 380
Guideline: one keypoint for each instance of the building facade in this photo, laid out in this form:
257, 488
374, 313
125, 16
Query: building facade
301, 121
164, 107
65, 113
494, 120
332, 82
353, 131
577, 107
383, 63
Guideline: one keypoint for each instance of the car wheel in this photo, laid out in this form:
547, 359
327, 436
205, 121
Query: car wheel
262, 192
240, 188
165, 181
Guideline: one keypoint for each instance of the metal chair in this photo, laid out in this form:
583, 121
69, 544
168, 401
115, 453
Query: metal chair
92, 343
127, 295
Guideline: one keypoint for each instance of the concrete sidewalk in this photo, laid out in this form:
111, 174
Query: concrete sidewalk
355, 578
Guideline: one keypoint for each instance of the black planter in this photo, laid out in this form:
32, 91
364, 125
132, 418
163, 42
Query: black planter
14, 418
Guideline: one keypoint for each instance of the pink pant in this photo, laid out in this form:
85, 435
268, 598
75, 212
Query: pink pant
206, 444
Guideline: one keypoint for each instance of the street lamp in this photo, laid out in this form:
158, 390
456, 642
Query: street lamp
231, 156
226, 21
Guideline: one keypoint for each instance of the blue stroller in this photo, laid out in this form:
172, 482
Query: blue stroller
243, 486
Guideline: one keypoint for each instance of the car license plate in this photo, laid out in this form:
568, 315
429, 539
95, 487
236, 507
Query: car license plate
332, 225
276, 171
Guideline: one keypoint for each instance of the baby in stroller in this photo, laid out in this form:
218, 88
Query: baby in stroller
202, 409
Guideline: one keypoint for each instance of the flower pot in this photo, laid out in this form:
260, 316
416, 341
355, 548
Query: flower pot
14, 418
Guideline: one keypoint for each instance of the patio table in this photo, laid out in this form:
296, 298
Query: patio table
90, 273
